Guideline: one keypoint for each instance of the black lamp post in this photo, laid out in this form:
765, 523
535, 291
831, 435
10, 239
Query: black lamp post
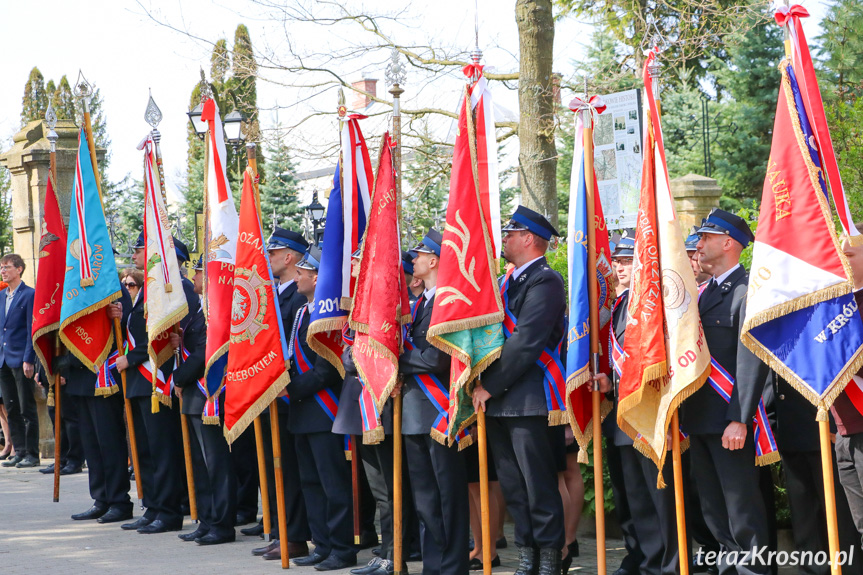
316, 213
198, 124
233, 130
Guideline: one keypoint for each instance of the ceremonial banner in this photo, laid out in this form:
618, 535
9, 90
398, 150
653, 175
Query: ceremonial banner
666, 356
380, 304
467, 317
164, 300
801, 315
347, 214
47, 300
257, 354
220, 233
810, 105
91, 280
578, 395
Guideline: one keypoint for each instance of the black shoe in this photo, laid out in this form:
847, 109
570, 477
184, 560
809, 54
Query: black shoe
254, 530
28, 461
243, 519
333, 563
49, 470
5, 456
135, 525
213, 539
307, 561
501, 543
192, 535
476, 563
274, 544
94, 512
115, 514
159, 526
70, 469
573, 549
527, 560
369, 567
376, 551
12, 461
386, 567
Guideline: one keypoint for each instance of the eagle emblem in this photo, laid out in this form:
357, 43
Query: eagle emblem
47, 239
248, 305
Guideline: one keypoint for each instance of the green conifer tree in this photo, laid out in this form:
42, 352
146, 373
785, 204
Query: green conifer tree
63, 100
35, 101
279, 189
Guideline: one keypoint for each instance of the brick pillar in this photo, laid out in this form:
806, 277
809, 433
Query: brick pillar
694, 197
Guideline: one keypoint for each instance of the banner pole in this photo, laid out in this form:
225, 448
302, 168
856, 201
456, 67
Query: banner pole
280, 492
127, 405
395, 75
593, 299
485, 514
251, 156
187, 458
51, 121
355, 475
829, 495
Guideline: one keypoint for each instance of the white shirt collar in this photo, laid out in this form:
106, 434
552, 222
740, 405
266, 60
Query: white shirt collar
429, 293
284, 286
724, 276
517, 271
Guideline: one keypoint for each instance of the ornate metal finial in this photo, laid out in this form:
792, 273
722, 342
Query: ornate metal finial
395, 73
83, 89
206, 93
152, 115
342, 108
51, 121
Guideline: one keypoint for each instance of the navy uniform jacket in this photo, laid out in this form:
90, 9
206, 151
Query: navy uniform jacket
80, 381
187, 374
16, 327
137, 384
515, 381
306, 415
618, 323
290, 302
349, 420
419, 413
722, 313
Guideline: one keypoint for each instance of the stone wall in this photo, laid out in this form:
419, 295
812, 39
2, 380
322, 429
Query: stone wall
694, 197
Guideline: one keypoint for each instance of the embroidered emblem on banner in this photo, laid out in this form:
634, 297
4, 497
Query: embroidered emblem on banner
249, 305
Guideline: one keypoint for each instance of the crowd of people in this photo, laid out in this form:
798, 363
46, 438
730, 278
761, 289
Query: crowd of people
533, 467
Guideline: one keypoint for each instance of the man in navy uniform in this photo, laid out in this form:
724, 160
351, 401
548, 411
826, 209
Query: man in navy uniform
513, 397
17, 364
160, 449
215, 481
437, 472
325, 473
103, 431
720, 432
286, 248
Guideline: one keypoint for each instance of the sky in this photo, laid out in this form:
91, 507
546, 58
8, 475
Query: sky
127, 47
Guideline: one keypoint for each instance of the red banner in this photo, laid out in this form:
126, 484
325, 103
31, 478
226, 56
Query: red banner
50, 273
380, 303
257, 366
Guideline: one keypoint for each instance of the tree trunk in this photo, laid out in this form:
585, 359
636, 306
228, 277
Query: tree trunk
537, 156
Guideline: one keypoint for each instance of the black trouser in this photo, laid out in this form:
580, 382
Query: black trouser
244, 461
215, 482
804, 484
728, 485
103, 436
295, 506
634, 555
71, 449
160, 454
378, 465
527, 471
439, 484
653, 512
325, 477
17, 392
849, 459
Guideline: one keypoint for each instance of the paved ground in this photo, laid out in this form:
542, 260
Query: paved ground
37, 536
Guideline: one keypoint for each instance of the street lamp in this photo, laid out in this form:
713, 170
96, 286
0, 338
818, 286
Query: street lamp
316, 213
198, 124
234, 129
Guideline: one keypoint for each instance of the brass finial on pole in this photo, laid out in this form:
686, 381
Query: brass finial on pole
395, 75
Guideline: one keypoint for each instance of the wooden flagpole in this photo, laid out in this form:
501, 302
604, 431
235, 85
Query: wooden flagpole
84, 91
51, 120
593, 299
355, 476
280, 492
252, 158
396, 75
676, 460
